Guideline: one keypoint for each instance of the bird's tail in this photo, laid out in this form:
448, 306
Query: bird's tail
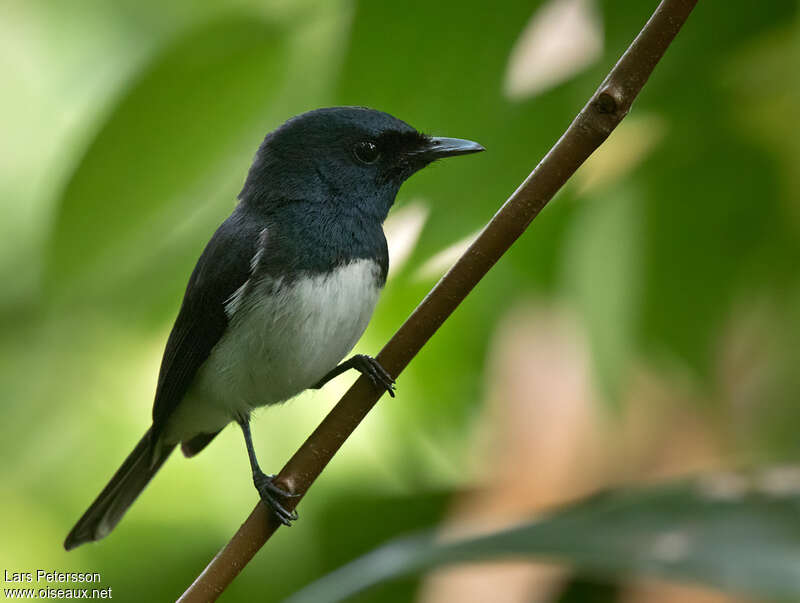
128, 482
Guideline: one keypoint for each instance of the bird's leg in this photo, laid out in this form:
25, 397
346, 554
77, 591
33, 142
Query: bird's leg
366, 365
270, 493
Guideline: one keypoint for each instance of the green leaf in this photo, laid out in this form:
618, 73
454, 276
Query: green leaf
728, 531
166, 165
601, 274
179, 138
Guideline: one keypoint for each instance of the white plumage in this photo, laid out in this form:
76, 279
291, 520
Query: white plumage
282, 338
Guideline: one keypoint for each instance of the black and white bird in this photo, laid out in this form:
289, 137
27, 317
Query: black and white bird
282, 292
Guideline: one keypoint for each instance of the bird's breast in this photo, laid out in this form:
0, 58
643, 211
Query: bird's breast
284, 335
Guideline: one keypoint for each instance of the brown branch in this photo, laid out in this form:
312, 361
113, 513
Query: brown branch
604, 111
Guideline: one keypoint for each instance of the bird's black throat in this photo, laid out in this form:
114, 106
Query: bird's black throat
308, 238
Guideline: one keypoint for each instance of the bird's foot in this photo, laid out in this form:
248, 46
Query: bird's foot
271, 496
381, 379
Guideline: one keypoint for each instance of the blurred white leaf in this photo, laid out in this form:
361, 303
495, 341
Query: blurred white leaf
440, 263
629, 145
402, 228
562, 38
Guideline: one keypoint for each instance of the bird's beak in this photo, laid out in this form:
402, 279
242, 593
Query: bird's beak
438, 147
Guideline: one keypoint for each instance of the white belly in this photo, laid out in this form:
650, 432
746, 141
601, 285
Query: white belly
281, 339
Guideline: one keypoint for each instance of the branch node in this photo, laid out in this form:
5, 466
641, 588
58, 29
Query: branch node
610, 101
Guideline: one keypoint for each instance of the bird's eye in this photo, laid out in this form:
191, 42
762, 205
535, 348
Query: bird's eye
366, 152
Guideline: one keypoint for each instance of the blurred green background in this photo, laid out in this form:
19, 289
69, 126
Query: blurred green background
646, 324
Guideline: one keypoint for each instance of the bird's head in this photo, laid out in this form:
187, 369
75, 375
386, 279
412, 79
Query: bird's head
353, 157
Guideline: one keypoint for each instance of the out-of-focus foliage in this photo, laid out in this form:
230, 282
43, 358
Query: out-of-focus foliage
726, 530
670, 263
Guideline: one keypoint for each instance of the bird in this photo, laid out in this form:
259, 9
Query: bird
281, 293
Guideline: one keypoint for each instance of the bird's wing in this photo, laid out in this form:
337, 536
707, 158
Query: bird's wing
222, 269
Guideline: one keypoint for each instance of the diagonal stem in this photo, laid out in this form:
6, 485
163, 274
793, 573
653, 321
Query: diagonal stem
598, 118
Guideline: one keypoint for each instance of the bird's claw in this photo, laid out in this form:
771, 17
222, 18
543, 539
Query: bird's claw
379, 376
270, 495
